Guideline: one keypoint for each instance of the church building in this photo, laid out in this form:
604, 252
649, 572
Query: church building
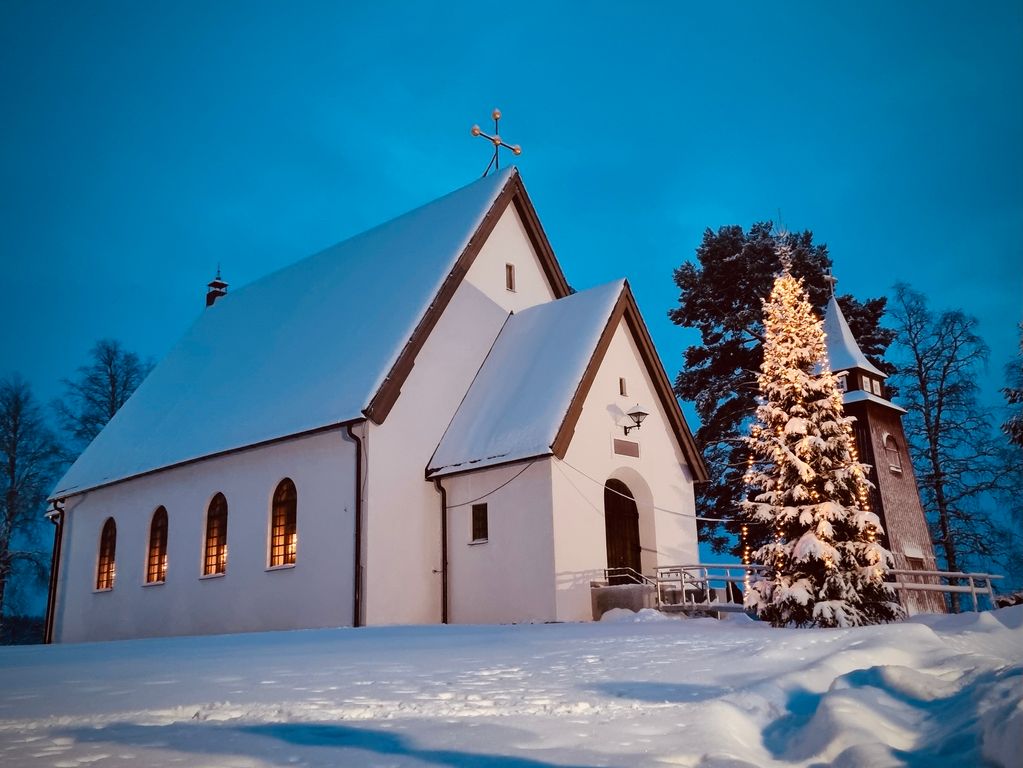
881, 443
423, 423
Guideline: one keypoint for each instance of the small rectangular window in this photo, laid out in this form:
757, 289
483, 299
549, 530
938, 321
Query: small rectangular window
877, 387
479, 522
509, 276
622, 389
842, 382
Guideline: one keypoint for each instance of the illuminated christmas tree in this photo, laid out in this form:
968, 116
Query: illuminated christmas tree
825, 565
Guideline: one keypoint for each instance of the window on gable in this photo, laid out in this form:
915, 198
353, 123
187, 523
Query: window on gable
891, 452
106, 570
479, 522
156, 562
509, 276
284, 524
215, 554
623, 390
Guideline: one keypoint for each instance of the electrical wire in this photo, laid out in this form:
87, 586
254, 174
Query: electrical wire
558, 462
495, 490
662, 509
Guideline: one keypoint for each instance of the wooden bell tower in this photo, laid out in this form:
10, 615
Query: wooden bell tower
881, 443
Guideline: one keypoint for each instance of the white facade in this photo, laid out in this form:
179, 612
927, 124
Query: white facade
546, 530
547, 536
249, 596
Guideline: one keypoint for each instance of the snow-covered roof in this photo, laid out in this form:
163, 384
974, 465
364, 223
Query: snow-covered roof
843, 351
301, 349
859, 396
522, 393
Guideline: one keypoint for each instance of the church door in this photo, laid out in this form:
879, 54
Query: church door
621, 523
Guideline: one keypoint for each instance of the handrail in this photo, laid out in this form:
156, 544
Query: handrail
694, 586
971, 587
625, 571
948, 574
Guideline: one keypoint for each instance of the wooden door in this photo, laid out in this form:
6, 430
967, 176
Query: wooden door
621, 524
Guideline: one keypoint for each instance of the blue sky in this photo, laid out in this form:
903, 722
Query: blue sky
143, 143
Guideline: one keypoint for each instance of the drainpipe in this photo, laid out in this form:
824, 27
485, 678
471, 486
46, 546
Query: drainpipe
443, 549
357, 581
55, 516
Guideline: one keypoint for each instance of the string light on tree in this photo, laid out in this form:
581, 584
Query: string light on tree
824, 566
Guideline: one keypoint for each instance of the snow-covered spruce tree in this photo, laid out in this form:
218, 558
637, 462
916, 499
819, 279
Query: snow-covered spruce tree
825, 565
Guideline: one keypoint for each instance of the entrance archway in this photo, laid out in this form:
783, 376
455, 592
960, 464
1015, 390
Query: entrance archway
621, 526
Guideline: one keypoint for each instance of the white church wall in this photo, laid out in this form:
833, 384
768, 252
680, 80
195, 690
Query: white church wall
510, 576
509, 244
403, 584
315, 592
658, 478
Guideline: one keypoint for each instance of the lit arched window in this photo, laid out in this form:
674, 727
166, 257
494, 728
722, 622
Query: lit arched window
156, 562
283, 524
891, 452
215, 557
105, 571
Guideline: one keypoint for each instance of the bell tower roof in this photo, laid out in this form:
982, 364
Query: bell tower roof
844, 353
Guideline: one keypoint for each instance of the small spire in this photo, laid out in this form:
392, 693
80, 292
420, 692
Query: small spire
215, 288
831, 280
844, 352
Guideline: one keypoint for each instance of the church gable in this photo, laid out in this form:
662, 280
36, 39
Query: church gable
508, 268
530, 392
525, 222
627, 318
523, 389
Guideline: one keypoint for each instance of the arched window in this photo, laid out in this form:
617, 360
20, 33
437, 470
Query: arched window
156, 562
284, 524
106, 570
215, 556
891, 452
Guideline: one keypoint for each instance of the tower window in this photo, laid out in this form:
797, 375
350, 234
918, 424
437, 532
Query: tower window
284, 524
106, 569
877, 387
842, 382
480, 523
891, 452
215, 556
156, 562
509, 276
623, 390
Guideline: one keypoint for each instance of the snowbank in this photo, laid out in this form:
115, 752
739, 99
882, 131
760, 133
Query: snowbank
630, 691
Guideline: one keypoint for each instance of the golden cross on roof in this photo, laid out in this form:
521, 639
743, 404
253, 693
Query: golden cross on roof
496, 140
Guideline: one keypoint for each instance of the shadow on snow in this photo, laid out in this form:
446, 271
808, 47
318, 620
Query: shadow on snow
251, 741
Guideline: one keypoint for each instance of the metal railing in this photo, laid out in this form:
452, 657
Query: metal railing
976, 586
625, 575
721, 586
703, 586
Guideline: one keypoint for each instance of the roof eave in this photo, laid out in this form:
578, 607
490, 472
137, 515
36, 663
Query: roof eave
60, 494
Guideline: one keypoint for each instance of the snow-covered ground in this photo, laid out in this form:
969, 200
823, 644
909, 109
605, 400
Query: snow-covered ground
634, 692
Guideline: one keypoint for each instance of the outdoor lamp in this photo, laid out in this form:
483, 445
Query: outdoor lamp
637, 414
